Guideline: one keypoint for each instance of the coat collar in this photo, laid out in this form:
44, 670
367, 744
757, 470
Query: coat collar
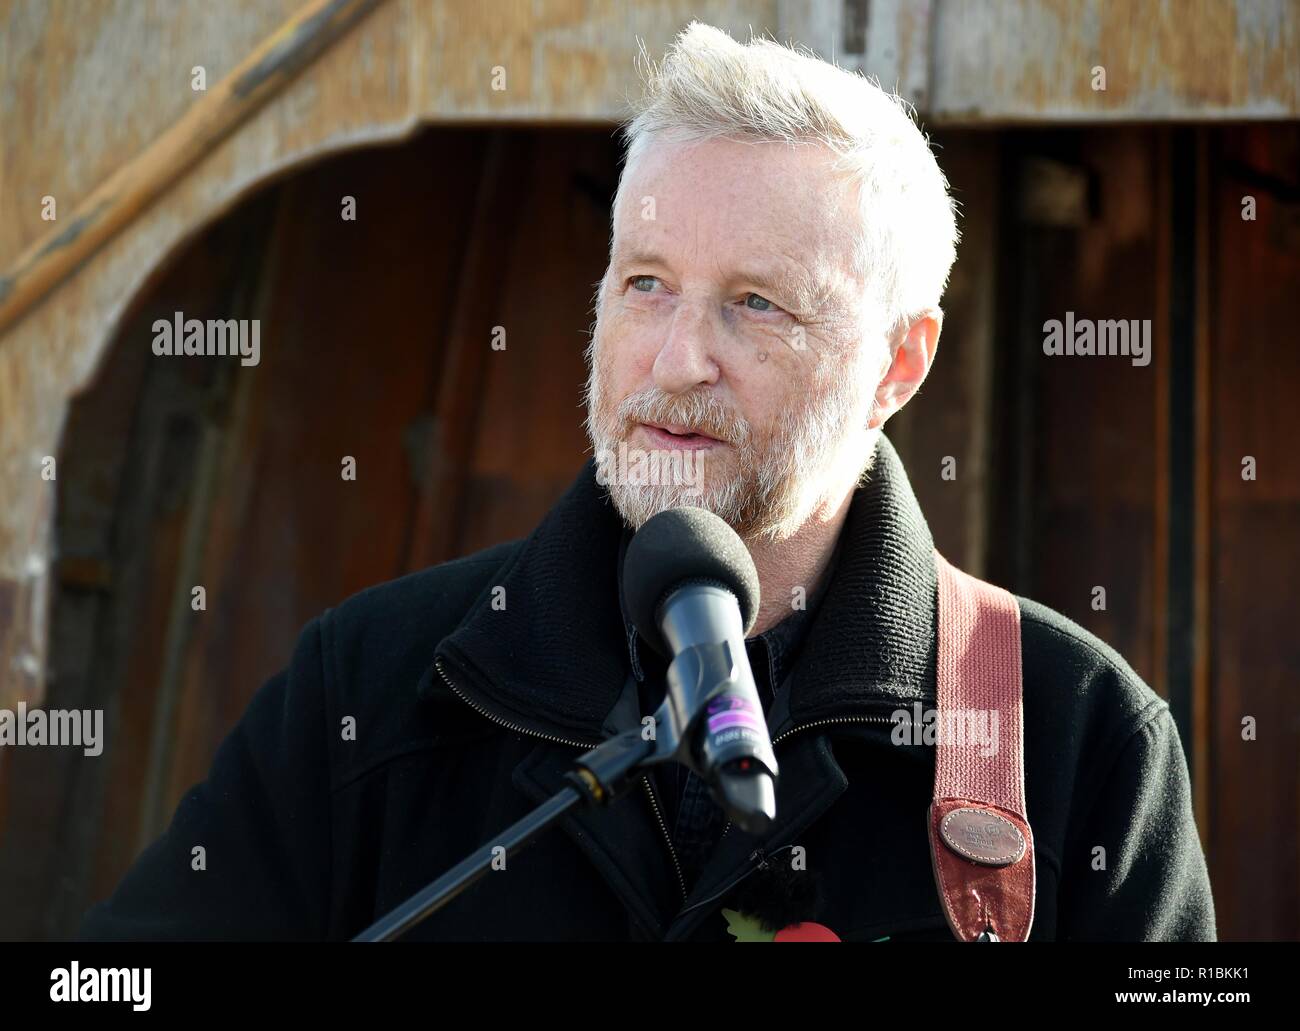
554, 660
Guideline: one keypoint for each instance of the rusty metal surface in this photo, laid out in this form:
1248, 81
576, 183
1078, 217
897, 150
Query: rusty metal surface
966, 62
1034, 60
887, 40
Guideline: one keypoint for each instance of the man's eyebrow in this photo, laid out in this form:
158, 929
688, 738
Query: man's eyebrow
641, 256
785, 281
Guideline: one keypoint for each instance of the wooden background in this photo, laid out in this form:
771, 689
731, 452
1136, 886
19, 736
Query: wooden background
1073, 473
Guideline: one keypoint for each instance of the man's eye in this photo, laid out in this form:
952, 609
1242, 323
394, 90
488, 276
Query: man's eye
759, 303
643, 283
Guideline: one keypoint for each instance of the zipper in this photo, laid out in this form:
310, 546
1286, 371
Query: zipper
806, 726
758, 857
681, 880
505, 723
585, 746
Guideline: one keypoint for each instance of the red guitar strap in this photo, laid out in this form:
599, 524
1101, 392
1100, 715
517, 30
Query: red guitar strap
980, 841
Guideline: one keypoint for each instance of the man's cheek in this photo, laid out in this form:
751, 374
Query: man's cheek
641, 330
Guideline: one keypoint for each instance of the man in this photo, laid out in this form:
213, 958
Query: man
781, 239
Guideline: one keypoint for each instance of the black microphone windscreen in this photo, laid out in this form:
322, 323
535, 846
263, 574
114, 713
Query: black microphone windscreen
681, 545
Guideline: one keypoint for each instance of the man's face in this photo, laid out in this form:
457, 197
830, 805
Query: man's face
732, 334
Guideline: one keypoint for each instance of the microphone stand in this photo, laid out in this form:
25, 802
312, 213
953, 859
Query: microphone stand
699, 674
601, 775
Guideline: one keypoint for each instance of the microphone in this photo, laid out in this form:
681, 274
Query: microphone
691, 589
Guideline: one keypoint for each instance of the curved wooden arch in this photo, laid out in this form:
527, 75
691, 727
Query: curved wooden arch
376, 84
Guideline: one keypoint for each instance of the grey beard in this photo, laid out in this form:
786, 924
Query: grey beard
766, 500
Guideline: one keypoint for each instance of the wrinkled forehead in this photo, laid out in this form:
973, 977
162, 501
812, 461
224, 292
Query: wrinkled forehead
727, 202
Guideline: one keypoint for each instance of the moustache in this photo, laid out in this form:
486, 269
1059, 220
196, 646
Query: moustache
699, 413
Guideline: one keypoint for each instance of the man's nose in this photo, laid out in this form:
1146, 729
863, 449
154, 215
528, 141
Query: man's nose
687, 358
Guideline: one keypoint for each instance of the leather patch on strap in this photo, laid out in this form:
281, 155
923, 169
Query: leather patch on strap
977, 897
982, 836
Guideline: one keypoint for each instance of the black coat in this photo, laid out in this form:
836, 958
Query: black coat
468, 713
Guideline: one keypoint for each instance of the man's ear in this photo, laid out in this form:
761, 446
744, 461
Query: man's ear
911, 353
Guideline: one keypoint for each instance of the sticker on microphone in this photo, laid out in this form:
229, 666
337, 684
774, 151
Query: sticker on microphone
733, 715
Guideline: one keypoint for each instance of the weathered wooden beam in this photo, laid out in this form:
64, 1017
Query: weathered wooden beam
134, 186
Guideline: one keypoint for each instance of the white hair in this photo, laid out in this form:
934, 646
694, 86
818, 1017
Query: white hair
709, 86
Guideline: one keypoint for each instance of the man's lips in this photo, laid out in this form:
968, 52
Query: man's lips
669, 435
